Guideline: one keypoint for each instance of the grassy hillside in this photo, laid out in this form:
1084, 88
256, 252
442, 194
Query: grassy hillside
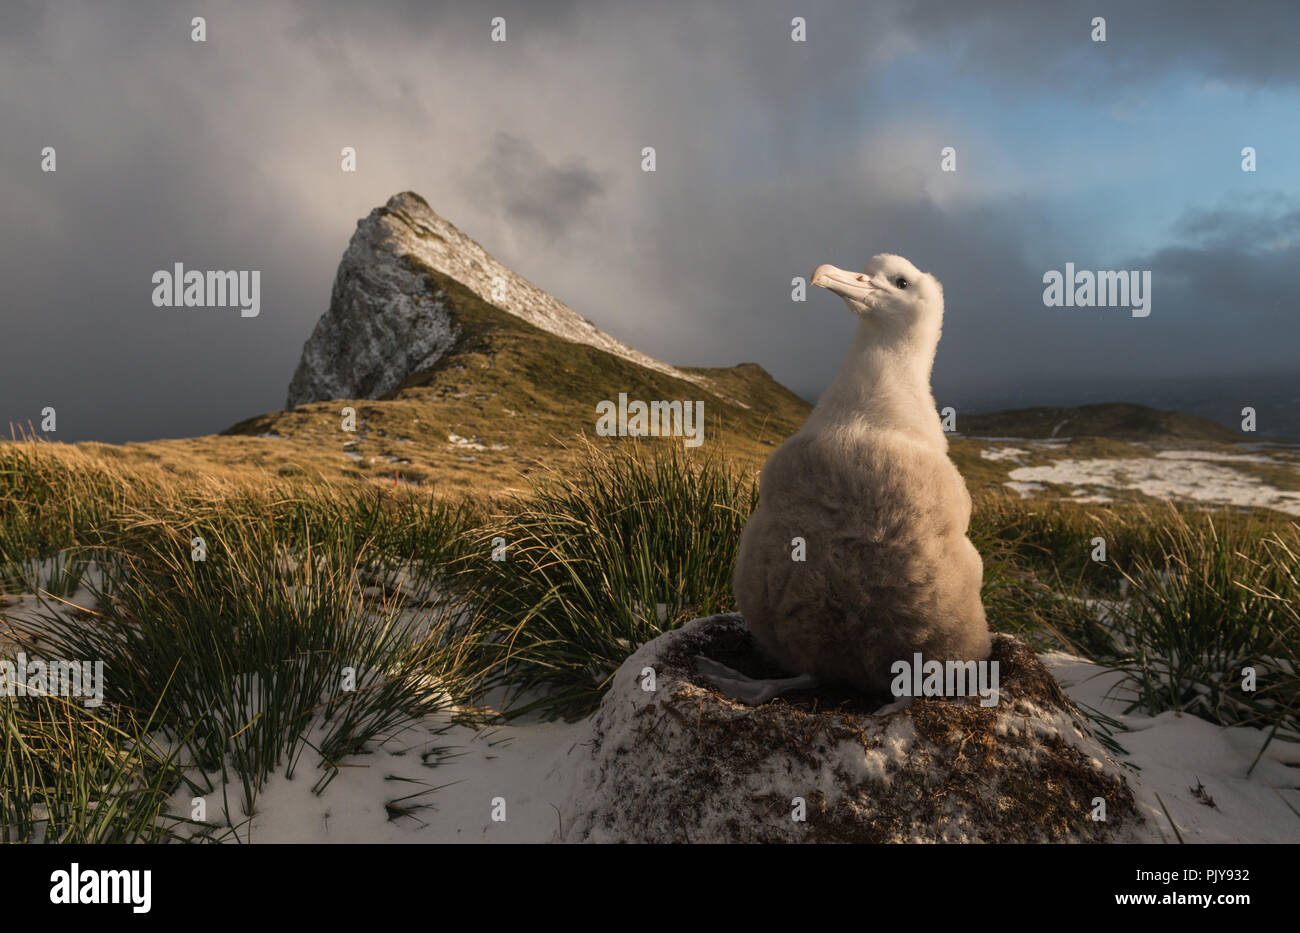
507, 400
1115, 420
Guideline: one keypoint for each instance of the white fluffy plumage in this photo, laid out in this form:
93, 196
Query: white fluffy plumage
868, 486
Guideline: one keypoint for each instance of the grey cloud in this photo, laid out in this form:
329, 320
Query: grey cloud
1255, 224
20, 20
530, 190
1253, 43
225, 156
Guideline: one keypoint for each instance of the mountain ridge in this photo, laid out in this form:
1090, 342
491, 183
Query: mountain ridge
504, 398
1116, 420
382, 325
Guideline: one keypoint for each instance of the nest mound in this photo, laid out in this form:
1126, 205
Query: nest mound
670, 759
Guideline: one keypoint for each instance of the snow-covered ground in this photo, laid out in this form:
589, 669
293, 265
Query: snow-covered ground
1177, 753
531, 769
520, 773
1190, 475
438, 781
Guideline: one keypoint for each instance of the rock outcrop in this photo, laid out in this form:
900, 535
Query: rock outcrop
684, 763
385, 323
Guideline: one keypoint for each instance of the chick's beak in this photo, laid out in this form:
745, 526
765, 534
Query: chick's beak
854, 285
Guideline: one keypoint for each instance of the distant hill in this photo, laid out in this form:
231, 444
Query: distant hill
1114, 420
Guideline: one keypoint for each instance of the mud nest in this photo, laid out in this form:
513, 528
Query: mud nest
682, 762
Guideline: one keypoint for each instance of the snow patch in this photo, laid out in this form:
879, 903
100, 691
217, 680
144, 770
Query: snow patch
1004, 453
1194, 479
472, 443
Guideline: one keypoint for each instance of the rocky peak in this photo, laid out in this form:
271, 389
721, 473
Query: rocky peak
384, 323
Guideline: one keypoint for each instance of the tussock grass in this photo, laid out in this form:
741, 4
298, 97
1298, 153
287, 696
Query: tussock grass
70, 774
315, 621
598, 561
61, 574
50, 502
1212, 600
1185, 600
55, 498
236, 663
275, 648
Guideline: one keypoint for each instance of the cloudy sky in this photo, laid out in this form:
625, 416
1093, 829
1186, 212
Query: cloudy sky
773, 156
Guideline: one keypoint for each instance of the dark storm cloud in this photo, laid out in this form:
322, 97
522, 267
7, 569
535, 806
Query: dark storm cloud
1251, 42
1237, 297
1259, 223
530, 190
1217, 309
20, 19
225, 156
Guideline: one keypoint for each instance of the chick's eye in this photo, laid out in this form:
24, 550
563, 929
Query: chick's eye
900, 282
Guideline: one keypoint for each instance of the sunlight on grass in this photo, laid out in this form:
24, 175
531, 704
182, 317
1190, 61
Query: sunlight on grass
598, 561
326, 616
